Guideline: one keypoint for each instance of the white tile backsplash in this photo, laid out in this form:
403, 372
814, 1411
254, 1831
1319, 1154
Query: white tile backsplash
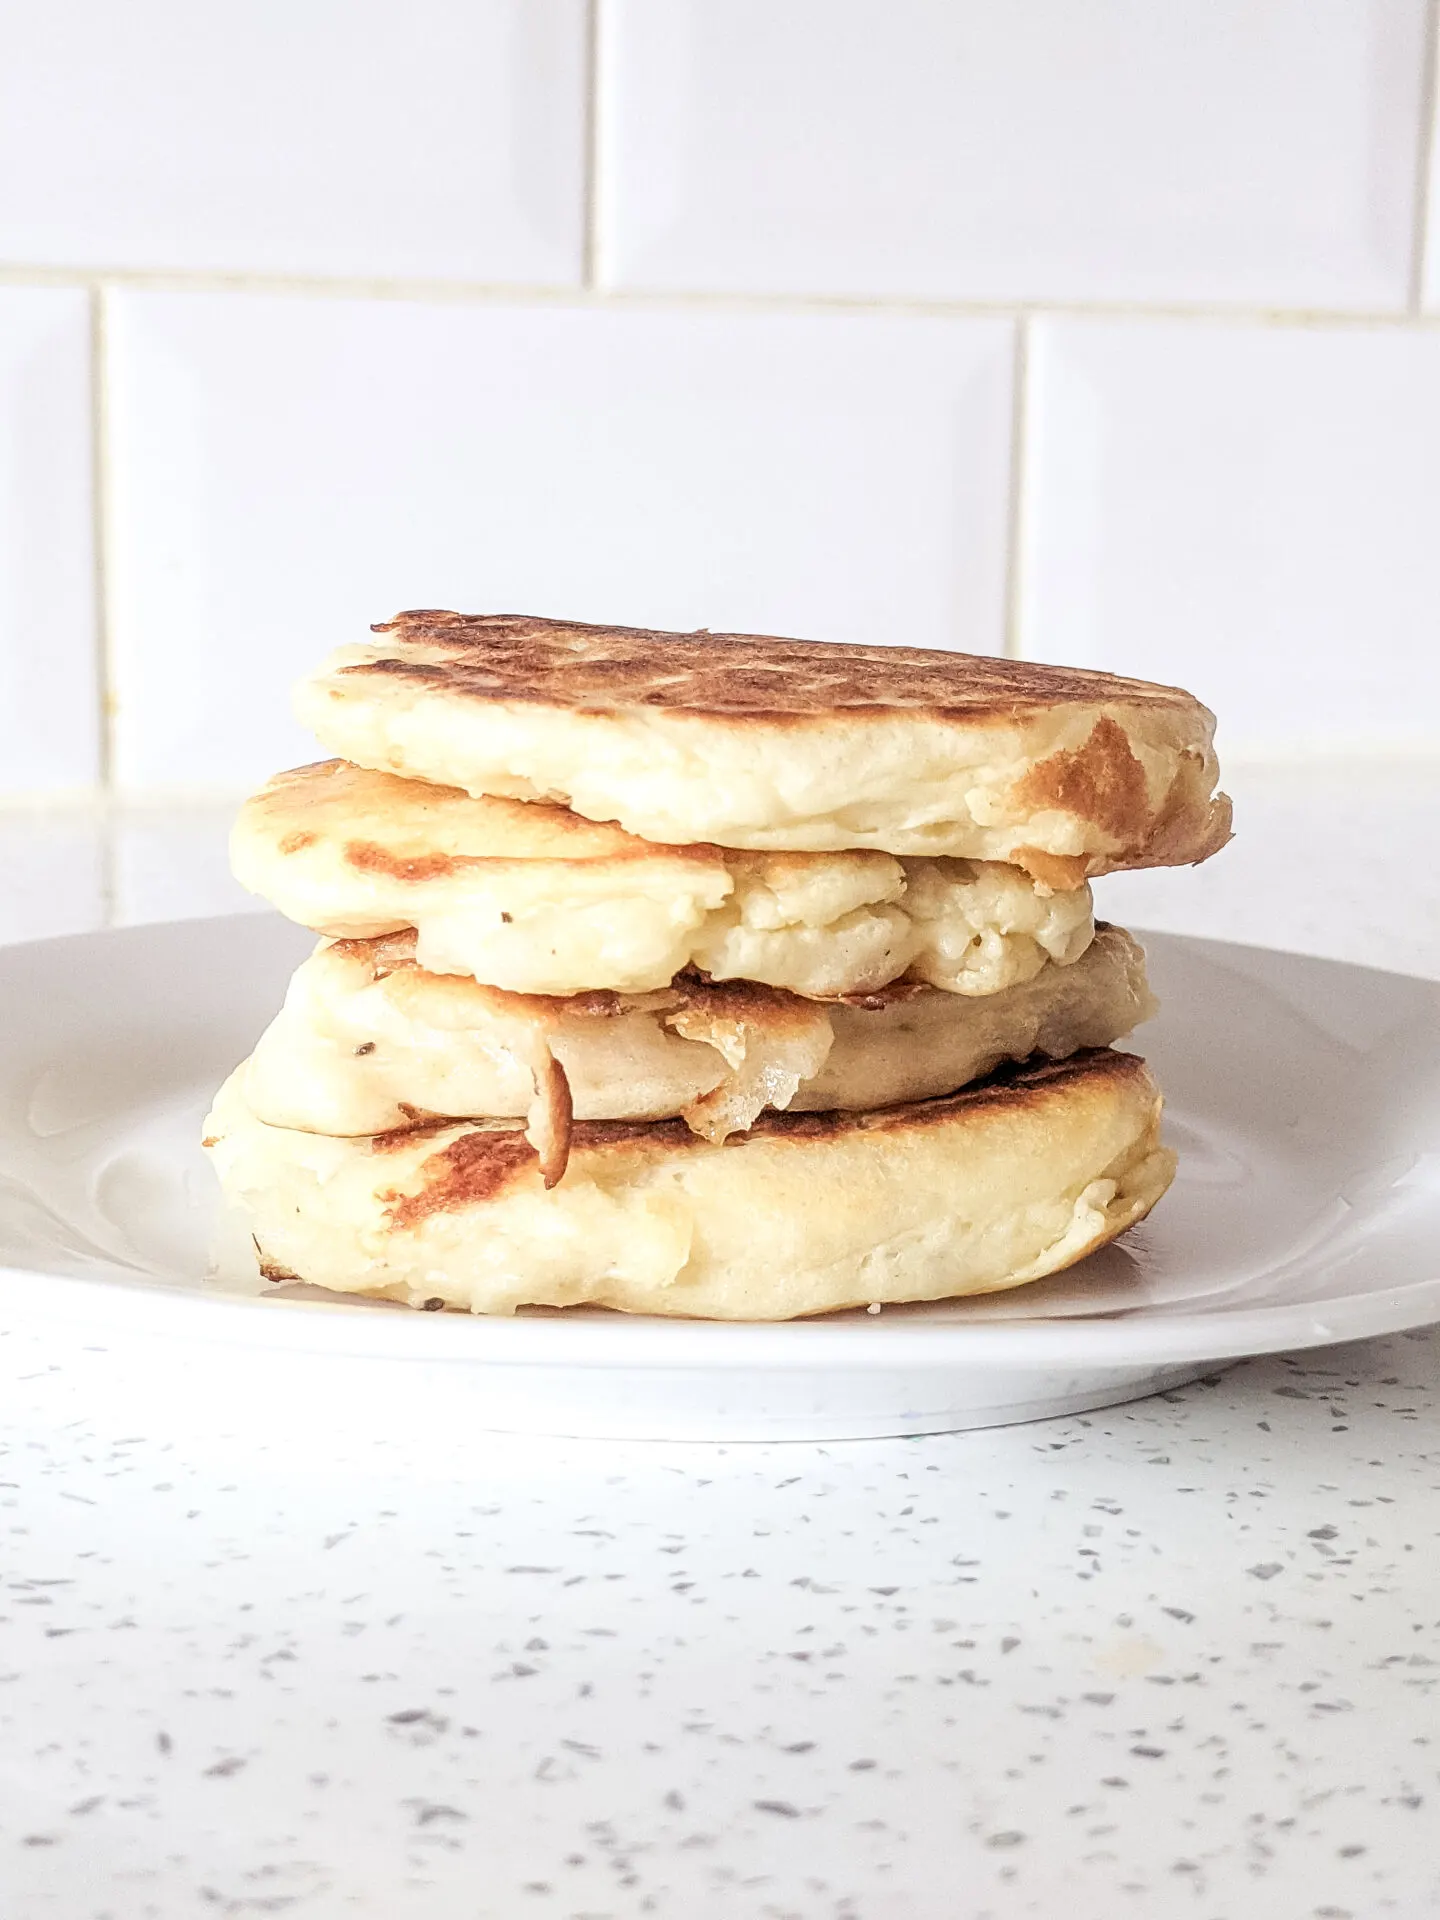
1253, 512
1255, 151
1330, 858
673, 364
173, 864
296, 136
288, 470
48, 702
53, 865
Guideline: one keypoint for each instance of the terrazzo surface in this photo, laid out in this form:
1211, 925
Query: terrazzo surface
1180, 1657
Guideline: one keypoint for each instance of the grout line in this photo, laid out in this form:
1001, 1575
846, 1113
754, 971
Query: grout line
109, 870
642, 299
594, 258
100, 525
1017, 506
101, 539
1429, 107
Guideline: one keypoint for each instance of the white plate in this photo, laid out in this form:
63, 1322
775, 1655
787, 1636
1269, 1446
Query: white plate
1304, 1097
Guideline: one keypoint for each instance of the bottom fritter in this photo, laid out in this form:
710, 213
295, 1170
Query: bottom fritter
1002, 1183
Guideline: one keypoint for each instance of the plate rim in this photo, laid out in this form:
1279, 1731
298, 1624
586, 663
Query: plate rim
1130, 1337
654, 1344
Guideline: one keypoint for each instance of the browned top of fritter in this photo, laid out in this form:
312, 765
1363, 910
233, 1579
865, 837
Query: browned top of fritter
480, 1159
566, 663
416, 832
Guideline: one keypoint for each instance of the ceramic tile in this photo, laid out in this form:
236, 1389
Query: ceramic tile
49, 710
296, 136
1330, 857
1260, 151
1250, 512
173, 864
288, 470
52, 873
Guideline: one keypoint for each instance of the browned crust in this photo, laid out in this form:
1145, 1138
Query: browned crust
418, 869
1192, 822
1063, 872
742, 1000
470, 1170
746, 1001
271, 1270
415, 869
335, 794
569, 663
551, 1120
480, 1162
386, 953
879, 998
1102, 781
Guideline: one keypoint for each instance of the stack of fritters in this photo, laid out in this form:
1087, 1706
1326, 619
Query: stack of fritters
705, 974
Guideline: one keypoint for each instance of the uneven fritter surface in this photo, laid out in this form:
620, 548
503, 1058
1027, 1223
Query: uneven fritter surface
535, 899
368, 1041
990, 1188
756, 742
572, 663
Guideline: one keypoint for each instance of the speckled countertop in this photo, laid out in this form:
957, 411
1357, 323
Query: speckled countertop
1177, 1658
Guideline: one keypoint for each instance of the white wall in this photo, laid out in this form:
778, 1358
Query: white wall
1095, 330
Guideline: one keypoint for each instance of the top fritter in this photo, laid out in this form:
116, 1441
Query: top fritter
747, 741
